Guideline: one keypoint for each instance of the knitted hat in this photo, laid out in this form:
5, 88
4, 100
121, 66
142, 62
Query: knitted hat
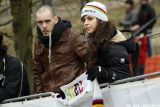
95, 9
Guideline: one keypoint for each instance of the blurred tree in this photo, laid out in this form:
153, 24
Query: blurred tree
0, 2
21, 25
83, 2
47, 2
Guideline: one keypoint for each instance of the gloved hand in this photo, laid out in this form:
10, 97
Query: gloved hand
61, 94
96, 72
120, 23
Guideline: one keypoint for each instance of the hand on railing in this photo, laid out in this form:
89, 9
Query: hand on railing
61, 95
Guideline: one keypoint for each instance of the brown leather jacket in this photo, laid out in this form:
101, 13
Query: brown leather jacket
67, 62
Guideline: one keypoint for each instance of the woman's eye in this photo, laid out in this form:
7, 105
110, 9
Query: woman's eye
82, 20
90, 18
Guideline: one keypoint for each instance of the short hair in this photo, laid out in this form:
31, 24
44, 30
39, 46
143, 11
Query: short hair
45, 8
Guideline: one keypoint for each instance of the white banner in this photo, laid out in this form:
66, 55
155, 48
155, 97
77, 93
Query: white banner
145, 93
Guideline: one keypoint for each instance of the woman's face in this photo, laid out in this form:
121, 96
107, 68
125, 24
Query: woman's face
128, 6
89, 23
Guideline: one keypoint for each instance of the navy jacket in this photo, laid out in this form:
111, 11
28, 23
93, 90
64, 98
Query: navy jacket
13, 79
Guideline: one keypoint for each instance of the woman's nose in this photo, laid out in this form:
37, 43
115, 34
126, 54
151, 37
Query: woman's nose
85, 22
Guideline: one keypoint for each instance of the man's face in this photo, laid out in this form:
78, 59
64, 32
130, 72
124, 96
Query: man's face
144, 2
128, 6
46, 21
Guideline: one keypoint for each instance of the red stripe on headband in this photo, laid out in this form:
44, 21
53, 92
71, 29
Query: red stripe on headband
97, 8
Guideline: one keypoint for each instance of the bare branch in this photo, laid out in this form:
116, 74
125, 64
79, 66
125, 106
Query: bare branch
36, 2
8, 35
0, 2
5, 9
5, 23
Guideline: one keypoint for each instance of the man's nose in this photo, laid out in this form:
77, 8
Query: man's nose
44, 25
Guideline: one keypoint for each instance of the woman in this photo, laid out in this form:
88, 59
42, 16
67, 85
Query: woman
108, 46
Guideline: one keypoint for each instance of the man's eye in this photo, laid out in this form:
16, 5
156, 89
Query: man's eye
47, 21
40, 22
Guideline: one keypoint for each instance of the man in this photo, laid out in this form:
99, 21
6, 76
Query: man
130, 15
59, 53
145, 14
13, 78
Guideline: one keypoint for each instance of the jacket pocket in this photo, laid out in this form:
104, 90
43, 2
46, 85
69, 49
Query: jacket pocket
62, 55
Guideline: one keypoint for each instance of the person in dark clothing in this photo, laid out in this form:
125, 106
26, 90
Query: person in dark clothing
145, 14
13, 77
130, 15
109, 48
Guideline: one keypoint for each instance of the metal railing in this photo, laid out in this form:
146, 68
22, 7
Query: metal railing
41, 95
131, 79
30, 97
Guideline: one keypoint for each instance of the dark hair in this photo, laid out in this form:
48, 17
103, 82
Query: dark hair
103, 34
129, 2
105, 31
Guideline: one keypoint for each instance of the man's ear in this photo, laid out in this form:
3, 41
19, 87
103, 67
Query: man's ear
56, 19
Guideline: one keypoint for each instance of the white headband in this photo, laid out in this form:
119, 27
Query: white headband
95, 9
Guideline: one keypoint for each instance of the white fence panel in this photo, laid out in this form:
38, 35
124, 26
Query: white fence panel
144, 93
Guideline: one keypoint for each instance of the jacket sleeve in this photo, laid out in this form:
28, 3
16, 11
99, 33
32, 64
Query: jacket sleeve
115, 72
12, 82
80, 46
121, 70
37, 68
116, 63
